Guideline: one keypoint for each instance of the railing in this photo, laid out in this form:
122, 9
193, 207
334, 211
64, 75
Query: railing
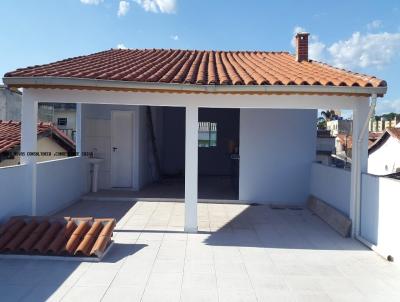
332, 185
380, 210
60, 182
14, 191
69, 132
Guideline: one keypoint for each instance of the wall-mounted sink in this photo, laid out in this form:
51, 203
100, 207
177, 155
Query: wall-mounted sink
94, 162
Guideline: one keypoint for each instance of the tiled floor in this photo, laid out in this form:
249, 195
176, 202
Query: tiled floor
241, 253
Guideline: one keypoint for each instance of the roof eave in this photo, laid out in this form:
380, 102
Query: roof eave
81, 83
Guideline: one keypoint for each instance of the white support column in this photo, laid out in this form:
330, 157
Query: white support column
359, 159
78, 133
191, 167
29, 144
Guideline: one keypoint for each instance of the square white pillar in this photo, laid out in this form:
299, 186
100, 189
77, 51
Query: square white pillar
359, 160
78, 133
191, 168
29, 144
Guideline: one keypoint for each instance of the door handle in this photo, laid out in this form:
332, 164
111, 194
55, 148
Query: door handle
114, 149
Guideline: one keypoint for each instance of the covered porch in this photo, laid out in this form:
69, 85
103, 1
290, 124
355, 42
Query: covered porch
261, 179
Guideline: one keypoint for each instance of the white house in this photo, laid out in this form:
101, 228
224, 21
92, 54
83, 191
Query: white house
243, 94
339, 127
51, 143
384, 154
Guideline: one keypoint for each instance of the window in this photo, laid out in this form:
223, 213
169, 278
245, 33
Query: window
207, 134
62, 121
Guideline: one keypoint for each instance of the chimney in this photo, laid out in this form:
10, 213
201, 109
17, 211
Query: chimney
302, 46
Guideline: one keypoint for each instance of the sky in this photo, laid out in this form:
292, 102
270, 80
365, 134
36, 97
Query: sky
363, 36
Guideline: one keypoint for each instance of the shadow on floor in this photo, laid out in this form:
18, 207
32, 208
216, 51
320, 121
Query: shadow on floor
239, 225
261, 226
40, 280
119, 251
98, 209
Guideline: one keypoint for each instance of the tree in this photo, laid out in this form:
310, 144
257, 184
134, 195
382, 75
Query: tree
329, 115
321, 123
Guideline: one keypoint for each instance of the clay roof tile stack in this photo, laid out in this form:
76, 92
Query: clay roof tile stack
55, 236
199, 67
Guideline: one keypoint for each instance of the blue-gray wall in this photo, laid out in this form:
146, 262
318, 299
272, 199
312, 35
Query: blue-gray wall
277, 148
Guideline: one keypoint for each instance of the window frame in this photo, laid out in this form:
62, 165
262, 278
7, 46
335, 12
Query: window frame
211, 142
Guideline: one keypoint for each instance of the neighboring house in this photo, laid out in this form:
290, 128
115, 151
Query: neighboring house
51, 143
384, 153
325, 147
339, 126
245, 94
381, 125
10, 104
61, 115
344, 144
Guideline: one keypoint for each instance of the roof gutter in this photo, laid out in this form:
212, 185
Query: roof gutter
80, 83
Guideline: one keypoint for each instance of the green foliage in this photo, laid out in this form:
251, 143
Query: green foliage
388, 116
321, 123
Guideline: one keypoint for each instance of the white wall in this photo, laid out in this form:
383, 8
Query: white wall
331, 185
386, 159
277, 148
97, 138
380, 208
60, 182
14, 200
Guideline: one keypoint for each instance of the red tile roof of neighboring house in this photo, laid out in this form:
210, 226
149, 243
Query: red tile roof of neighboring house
389, 132
10, 134
347, 140
56, 236
199, 67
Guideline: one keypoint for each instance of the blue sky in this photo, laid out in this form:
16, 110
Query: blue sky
363, 36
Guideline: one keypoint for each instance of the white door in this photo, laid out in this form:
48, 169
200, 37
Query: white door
121, 148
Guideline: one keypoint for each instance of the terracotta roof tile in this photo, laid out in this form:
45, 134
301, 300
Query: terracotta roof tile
43, 243
103, 239
59, 242
394, 132
89, 240
199, 67
56, 236
10, 134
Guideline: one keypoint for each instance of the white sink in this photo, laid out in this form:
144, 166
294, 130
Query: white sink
94, 160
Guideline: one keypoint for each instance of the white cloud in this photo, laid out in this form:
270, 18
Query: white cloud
297, 29
174, 37
121, 46
387, 106
91, 2
375, 24
316, 49
158, 6
123, 8
369, 50
359, 51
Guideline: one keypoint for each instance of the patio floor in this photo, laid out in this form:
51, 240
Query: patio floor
241, 253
